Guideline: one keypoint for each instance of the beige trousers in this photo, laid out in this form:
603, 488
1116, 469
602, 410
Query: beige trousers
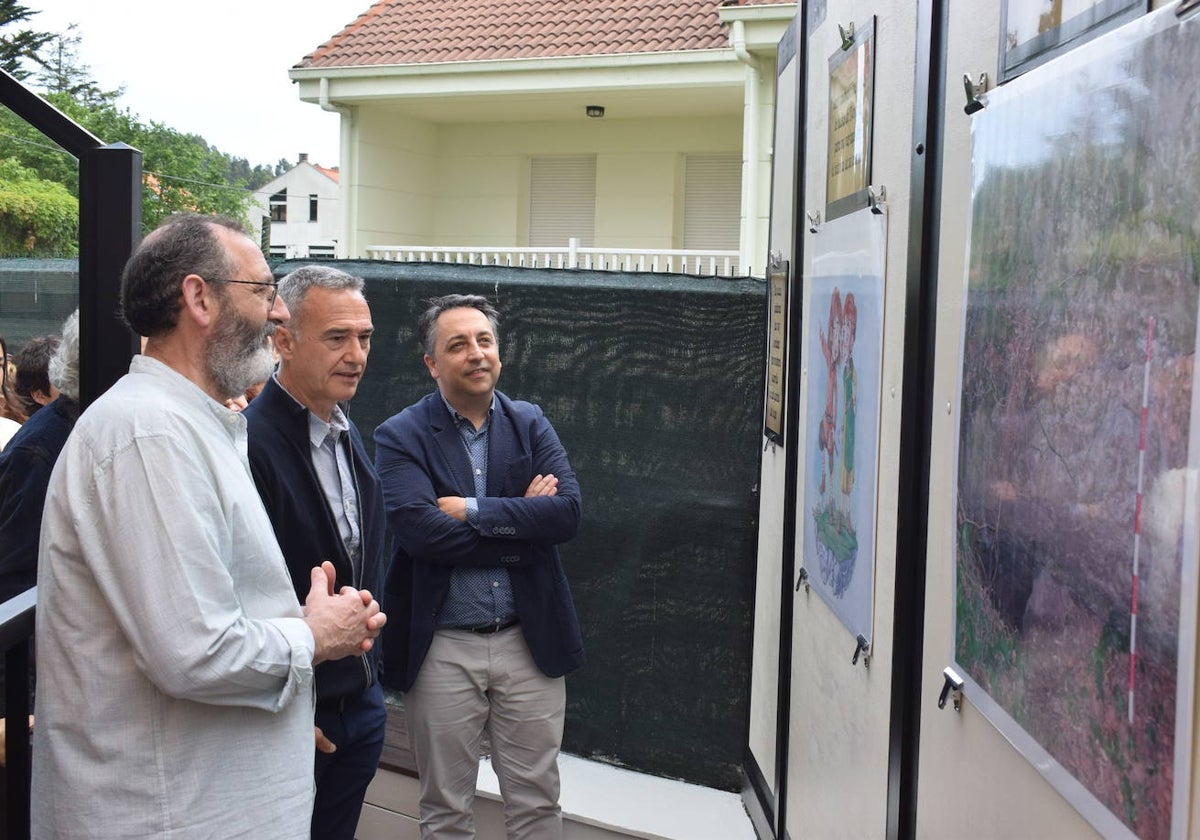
470, 683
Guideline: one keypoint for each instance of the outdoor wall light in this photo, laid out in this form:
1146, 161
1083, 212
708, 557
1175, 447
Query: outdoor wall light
595, 110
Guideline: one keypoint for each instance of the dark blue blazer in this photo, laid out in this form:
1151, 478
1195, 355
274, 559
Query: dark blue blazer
25, 467
281, 463
420, 456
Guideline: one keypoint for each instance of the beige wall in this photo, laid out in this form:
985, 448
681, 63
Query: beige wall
394, 179
467, 183
635, 199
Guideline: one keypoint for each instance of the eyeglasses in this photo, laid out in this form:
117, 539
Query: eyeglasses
274, 286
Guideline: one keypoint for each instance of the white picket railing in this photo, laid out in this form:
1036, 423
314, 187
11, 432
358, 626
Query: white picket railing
671, 261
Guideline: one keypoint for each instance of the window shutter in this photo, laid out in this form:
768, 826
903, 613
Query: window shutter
562, 200
712, 203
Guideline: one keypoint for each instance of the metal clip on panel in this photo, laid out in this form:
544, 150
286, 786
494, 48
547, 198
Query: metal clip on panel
847, 35
862, 646
877, 199
802, 579
974, 89
952, 687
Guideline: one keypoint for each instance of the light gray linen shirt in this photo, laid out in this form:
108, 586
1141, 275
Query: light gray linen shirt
175, 671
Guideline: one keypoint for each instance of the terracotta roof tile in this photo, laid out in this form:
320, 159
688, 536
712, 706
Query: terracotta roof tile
436, 31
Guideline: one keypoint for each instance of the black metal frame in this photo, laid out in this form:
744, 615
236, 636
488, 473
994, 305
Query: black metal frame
16, 631
916, 418
110, 221
791, 472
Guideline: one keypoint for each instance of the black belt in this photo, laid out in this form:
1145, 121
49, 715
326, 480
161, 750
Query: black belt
495, 627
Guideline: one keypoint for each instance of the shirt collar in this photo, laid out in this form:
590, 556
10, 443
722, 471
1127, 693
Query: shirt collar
318, 429
460, 419
185, 388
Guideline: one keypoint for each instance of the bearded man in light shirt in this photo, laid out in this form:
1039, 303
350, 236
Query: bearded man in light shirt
175, 663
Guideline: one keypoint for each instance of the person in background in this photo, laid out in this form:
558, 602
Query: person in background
32, 382
479, 494
25, 466
10, 418
26, 463
174, 661
324, 500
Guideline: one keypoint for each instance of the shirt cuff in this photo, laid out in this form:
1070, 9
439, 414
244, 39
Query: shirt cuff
473, 513
300, 641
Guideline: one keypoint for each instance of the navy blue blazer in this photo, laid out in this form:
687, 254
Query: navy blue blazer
281, 463
420, 456
25, 467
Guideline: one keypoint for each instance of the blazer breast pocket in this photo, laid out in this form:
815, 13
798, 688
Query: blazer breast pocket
518, 473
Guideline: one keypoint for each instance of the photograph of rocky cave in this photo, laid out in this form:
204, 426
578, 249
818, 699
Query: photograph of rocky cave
1075, 518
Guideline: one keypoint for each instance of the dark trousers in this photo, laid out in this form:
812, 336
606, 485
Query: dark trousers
356, 725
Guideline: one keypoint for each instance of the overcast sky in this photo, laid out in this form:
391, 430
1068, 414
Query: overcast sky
217, 68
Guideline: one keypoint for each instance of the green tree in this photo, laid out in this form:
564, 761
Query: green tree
37, 218
63, 72
182, 172
22, 45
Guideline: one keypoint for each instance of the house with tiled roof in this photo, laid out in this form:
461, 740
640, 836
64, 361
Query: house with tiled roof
530, 123
298, 214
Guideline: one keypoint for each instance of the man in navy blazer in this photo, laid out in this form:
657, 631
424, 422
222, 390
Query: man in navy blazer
479, 495
325, 504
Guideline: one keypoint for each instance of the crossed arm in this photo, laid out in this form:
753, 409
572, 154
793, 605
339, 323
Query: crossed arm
428, 513
456, 506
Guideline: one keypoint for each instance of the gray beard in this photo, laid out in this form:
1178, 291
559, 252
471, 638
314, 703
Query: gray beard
238, 355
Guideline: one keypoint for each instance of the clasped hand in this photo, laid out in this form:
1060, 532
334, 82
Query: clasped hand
342, 624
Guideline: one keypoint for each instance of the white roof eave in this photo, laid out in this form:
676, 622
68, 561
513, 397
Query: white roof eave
677, 59
681, 69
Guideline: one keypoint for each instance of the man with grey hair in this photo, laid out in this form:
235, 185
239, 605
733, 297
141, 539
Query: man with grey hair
175, 664
26, 463
323, 497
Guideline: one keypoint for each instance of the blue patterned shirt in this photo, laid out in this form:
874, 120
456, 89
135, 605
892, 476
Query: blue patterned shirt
478, 595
